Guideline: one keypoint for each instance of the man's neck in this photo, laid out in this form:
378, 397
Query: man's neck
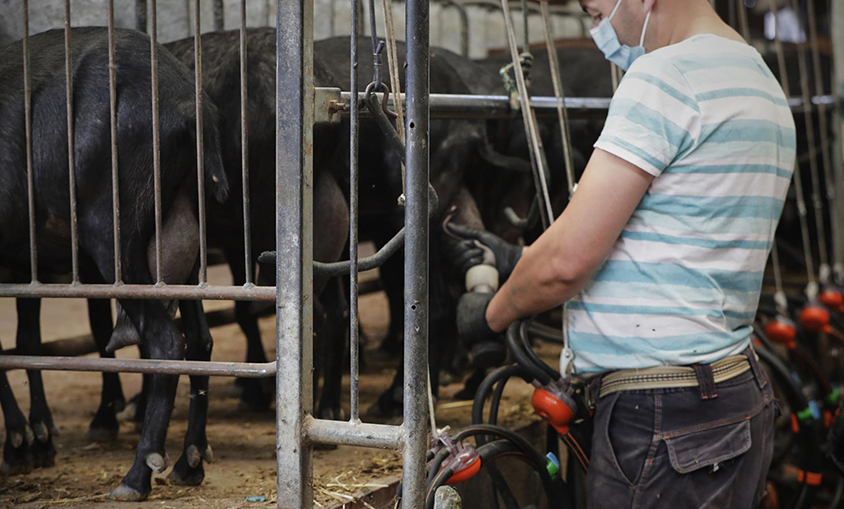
682, 20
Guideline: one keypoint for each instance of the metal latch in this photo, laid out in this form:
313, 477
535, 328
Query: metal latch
328, 105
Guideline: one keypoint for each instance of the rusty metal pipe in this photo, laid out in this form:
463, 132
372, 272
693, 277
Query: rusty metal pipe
163, 291
151, 366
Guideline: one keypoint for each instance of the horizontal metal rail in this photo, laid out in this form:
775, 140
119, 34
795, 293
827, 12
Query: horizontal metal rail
121, 291
151, 366
498, 106
322, 431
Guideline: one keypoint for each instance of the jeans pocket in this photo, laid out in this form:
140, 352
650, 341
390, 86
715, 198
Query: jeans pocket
629, 434
708, 446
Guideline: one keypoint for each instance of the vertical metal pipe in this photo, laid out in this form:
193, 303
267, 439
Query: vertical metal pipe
529, 120
562, 112
811, 288
71, 164
731, 16
141, 15
416, 254
156, 137
817, 202
360, 18
27, 109
294, 261
743, 22
354, 337
244, 150
525, 30
836, 28
200, 150
187, 18
464, 25
219, 18
823, 127
333, 14
115, 183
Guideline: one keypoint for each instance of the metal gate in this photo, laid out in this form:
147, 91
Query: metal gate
296, 429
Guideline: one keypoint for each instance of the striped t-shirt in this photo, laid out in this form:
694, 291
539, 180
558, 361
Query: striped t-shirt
681, 285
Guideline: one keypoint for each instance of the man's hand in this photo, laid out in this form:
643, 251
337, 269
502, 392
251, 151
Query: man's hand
506, 254
472, 326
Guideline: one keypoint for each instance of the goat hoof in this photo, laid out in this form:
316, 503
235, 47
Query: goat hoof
41, 432
124, 493
194, 458
185, 475
16, 439
209, 454
8, 470
157, 462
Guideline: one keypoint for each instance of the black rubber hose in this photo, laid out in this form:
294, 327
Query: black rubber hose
440, 478
521, 357
498, 431
499, 376
502, 373
523, 335
810, 454
496, 401
489, 453
839, 492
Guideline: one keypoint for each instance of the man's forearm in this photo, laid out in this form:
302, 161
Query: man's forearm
531, 289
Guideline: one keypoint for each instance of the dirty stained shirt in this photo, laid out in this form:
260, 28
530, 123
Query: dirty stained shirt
708, 119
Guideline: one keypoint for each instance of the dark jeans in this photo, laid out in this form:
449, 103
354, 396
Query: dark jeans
669, 448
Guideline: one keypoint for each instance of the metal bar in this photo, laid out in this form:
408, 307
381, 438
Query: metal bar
811, 287
562, 114
817, 202
294, 237
141, 15
84, 344
531, 130
106, 365
416, 255
354, 139
115, 182
249, 263
71, 164
121, 291
322, 431
826, 155
498, 106
525, 29
156, 138
219, 18
464, 25
27, 112
200, 149
743, 22
836, 28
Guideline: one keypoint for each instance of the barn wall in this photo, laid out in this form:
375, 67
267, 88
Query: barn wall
332, 17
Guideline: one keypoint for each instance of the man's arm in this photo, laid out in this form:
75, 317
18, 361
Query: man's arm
561, 261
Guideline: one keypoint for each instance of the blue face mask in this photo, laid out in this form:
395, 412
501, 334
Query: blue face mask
605, 37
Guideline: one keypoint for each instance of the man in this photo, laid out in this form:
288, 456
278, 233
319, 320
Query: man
660, 256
